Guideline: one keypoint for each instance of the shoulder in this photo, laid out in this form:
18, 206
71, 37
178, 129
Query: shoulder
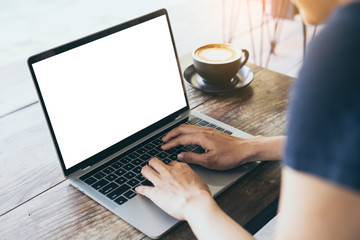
331, 67
335, 52
324, 123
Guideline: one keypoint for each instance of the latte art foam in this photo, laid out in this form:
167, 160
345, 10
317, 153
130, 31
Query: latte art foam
216, 53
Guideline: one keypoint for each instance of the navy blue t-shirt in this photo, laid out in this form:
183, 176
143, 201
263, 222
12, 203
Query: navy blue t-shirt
324, 123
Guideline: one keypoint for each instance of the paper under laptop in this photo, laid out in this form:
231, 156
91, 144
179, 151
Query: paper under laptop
106, 93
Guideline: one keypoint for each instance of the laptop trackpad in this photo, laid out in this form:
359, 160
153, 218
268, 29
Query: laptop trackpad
219, 180
146, 216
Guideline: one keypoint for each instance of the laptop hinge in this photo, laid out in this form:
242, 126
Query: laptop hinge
86, 168
178, 117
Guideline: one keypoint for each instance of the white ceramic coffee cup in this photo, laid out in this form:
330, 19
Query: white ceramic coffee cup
218, 63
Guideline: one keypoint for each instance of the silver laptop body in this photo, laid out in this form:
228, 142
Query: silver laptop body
107, 93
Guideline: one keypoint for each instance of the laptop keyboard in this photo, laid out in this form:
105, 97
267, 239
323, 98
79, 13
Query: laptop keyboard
118, 178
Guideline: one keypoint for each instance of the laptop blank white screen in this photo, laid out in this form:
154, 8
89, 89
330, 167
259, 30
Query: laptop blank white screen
106, 90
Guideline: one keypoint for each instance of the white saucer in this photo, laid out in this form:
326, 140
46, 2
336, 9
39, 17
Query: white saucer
242, 79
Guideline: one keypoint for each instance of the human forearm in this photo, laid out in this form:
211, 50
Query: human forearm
208, 221
266, 148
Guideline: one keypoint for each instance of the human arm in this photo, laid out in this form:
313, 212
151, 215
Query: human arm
180, 192
312, 208
222, 151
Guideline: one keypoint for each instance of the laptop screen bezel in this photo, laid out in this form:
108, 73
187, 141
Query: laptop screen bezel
129, 140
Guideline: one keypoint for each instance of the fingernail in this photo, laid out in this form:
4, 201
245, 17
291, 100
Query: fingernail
180, 156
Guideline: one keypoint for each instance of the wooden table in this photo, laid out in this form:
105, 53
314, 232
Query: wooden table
37, 203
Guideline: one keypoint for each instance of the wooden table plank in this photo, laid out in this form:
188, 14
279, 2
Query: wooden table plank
63, 212
16, 87
28, 160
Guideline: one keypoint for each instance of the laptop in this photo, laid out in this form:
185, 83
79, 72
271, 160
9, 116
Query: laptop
108, 99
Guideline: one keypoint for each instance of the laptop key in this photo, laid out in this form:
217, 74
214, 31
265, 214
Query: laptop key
95, 171
228, 132
166, 161
116, 165
108, 188
99, 175
133, 182
141, 151
89, 174
129, 166
90, 180
145, 157
137, 170
162, 155
140, 177
212, 125
121, 200
99, 184
111, 177
121, 180
170, 151
158, 148
129, 175
108, 170
130, 194
134, 155
157, 141
143, 164
149, 146
125, 160
153, 152
203, 123
137, 161
118, 191
173, 157
120, 172
220, 129
147, 183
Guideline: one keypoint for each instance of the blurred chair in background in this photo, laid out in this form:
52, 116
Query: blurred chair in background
273, 11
